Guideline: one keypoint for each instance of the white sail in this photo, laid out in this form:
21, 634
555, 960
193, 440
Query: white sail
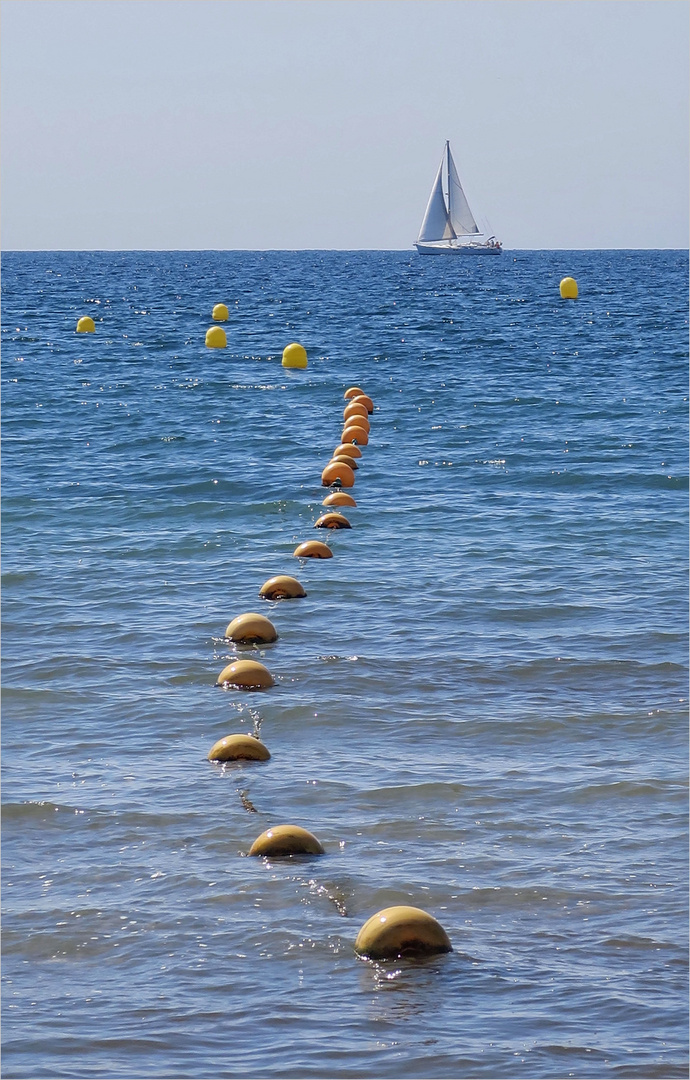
436, 224
459, 212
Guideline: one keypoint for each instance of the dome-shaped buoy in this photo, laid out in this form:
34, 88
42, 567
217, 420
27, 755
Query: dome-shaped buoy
353, 391
568, 288
355, 433
401, 931
281, 587
332, 521
338, 472
359, 421
355, 408
313, 549
286, 840
349, 449
238, 748
363, 399
346, 459
339, 498
216, 338
253, 628
221, 313
294, 356
247, 674
86, 325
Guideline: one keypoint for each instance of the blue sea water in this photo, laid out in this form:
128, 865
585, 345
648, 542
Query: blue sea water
480, 707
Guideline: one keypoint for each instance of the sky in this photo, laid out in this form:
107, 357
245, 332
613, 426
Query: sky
264, 124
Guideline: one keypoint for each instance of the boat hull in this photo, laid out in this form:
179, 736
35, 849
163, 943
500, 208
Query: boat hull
458, 249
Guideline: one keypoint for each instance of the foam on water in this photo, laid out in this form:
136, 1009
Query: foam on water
480, 706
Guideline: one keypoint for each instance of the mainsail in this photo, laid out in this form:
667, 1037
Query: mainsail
447, 220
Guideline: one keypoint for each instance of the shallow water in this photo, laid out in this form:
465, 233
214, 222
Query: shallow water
480, 706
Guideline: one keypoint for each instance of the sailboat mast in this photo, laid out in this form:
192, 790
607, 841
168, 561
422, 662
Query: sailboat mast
448, 172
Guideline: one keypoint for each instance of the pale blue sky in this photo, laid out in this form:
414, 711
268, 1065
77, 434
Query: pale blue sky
320, 123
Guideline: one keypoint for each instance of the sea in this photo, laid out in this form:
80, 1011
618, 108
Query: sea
479, 709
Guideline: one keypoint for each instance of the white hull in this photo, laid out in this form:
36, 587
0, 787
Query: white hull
443, 247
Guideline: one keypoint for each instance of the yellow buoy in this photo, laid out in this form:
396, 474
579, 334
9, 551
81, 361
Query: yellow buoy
281, 587
355, 408
238, 747
401, 931
332, 521
363, 399
349, 449
294, 356
220, 312
286, 840
353, 391
251, 627
247, 674
345, 458
353, 432
216, 338
339, 498
86, 325
338, 472
313, 549
568, 288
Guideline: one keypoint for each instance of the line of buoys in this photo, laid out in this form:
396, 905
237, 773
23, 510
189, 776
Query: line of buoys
395, 931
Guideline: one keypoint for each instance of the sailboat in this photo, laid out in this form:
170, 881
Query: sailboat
448, 225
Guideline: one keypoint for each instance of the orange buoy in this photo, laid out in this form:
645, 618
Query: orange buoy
355, 408
364, 399
238, 747
345, 458
349, 449
401, 931
338, 472
339, 498
281, 587
251, 627
247, 674
332, 521
313, 549
359, 421
354, 433
353, 391
286, 840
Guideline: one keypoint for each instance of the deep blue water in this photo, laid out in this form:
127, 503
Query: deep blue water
480, 707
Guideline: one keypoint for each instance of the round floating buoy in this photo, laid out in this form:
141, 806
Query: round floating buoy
286, 840
86, 325
355, 408
294, 356
353, 391
401, 931
358, 421
332, 521
251, 627
281, 587
339, 498
345, 459
216, 338
313, 549
247, 674
338, 472
220, 313
568, 288
354, 433
364, 399
238, 747
349, 449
